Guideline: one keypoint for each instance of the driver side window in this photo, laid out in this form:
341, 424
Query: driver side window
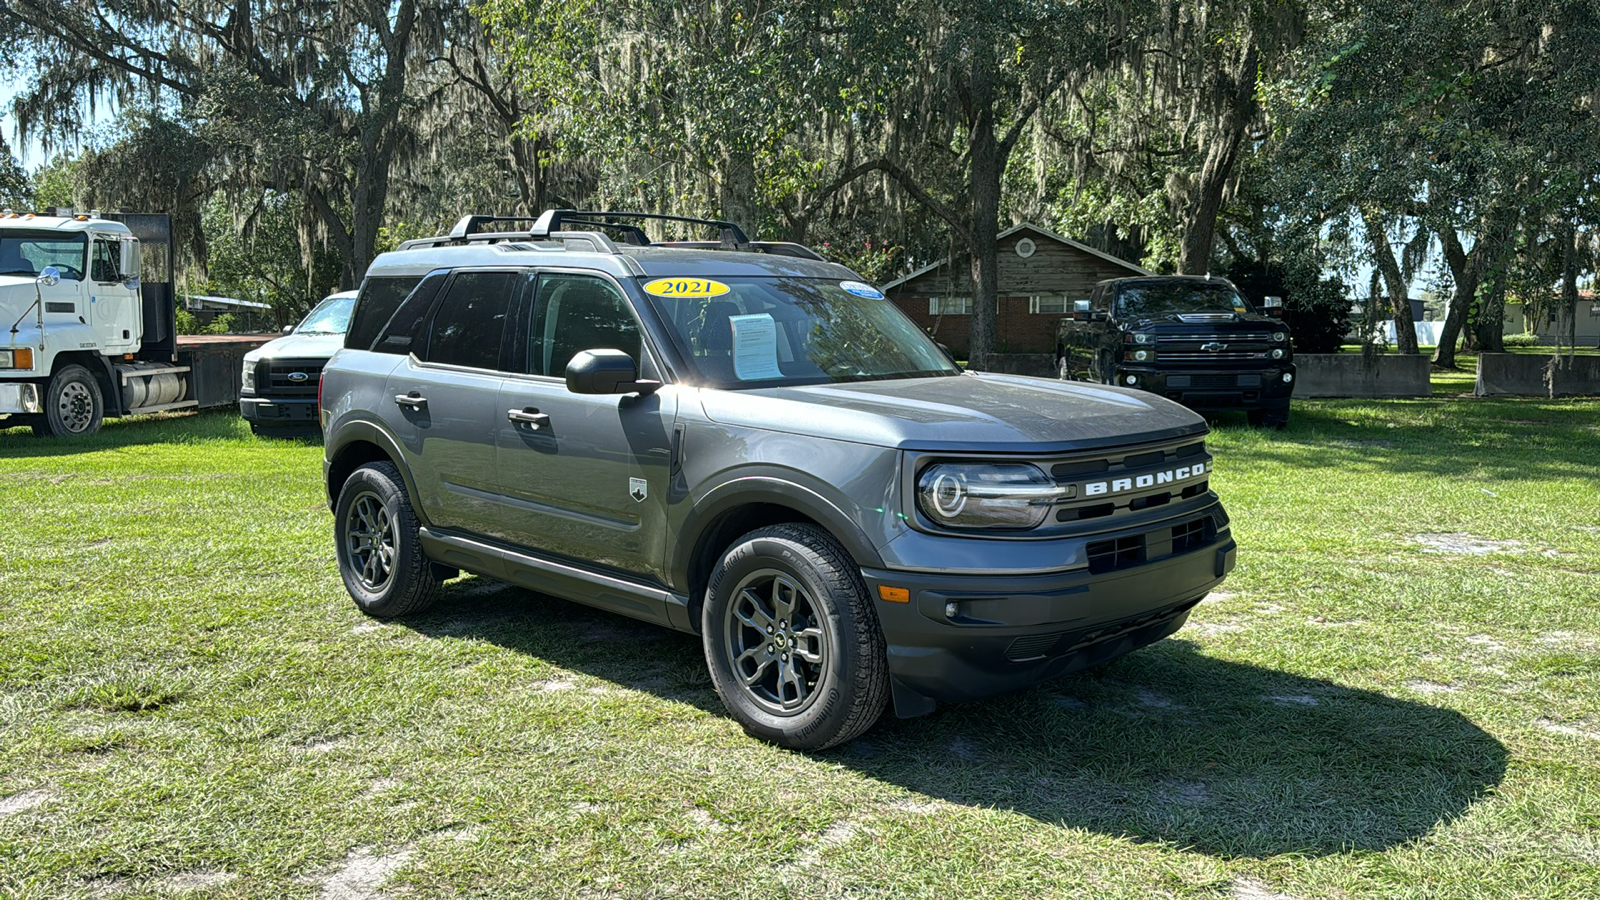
106, 267
574, 313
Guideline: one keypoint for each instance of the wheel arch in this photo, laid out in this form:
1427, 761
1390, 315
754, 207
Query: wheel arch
740, 507
360, 443
100, 369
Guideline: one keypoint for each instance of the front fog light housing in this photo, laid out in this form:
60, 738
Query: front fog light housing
1132, 379
1288, 377
987, 495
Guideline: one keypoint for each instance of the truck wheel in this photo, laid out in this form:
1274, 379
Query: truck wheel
73, 406
1273, 417
792, 642
379, 549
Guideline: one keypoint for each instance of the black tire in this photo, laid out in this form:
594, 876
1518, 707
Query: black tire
73, 405
380, 552
843, 687
1276, 417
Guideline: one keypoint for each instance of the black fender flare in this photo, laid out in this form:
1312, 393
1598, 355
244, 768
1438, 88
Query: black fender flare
364, 431
771, 486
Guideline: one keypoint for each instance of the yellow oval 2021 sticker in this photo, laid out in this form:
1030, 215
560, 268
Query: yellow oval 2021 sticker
686, 287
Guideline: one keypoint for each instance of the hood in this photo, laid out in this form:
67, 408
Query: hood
1253, 323
969, 412
298, 346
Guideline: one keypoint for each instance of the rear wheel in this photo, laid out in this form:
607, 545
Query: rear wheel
377, 539
792, 642
73, 405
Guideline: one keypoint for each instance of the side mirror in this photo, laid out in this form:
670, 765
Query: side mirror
49, 276
130, 281
288, 329
606, 372
1273, 306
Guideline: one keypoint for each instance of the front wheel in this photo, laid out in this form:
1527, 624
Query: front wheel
792, 641
377, 539
73, 405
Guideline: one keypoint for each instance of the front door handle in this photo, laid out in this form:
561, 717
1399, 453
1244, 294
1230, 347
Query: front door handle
412, 400
529, 416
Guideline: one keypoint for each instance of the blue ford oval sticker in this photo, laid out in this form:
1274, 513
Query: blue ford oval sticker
862, 290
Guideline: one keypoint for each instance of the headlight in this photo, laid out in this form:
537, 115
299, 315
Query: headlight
1278, 353
1142, 338
987, 495
16, 359
1142, 355
1279, 336
249, 375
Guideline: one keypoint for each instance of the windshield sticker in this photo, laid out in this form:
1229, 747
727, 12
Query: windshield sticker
686, 287
755, 347
862, 290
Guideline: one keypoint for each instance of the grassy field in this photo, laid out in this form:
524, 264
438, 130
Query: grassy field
1396, 694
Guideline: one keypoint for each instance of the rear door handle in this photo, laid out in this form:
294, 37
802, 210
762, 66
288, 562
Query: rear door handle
529, 416
412, 400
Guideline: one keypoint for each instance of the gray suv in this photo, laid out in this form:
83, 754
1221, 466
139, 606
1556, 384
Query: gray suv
743, 441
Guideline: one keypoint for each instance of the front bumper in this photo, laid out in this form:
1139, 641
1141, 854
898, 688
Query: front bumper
1010, 632
1213, 388
19, 397
268, 412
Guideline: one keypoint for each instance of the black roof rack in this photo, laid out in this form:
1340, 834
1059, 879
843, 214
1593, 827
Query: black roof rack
731, 235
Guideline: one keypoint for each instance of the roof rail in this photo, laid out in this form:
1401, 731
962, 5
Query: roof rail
731, 235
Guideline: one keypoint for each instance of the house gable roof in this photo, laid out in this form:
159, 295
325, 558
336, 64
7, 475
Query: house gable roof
1028, 226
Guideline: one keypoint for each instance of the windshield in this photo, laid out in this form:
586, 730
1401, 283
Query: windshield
763, 332
27, 253
332, 316
1143, 301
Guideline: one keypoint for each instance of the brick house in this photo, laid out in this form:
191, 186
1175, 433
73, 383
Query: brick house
1041, 274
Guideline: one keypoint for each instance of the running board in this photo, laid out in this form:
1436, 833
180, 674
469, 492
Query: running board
609, 592
162, 407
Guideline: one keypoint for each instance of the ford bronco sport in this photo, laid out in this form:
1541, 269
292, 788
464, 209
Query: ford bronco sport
1188, 338
741, 440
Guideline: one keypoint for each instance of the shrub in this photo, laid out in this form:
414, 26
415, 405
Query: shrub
1526, 339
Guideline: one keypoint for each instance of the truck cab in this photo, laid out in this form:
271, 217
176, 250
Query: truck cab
1192, 339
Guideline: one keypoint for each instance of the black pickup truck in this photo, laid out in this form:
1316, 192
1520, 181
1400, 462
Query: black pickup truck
1192, 339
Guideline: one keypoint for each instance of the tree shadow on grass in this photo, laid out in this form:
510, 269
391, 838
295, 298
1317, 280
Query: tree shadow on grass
1166, 745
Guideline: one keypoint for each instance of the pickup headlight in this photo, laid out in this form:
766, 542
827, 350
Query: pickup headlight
1140, 355
16, 359
987, 495
249, 382
1279, 336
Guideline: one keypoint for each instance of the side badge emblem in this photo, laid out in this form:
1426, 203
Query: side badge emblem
638, 489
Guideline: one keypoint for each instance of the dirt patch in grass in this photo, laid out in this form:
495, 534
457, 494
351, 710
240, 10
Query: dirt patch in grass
363, 874
16, 803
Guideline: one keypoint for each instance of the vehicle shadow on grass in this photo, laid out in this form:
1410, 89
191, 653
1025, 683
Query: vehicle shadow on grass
1166, 745
183, 427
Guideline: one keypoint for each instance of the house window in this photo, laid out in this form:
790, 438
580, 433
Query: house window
949, 306
1049, 304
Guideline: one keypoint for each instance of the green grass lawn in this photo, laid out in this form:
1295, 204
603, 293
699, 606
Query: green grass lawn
1396, 694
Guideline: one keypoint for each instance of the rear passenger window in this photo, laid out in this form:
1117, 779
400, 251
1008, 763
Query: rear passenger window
576, 313
406, 324
379, 298
471, 320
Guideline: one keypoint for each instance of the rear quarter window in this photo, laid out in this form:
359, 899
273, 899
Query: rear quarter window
380, 297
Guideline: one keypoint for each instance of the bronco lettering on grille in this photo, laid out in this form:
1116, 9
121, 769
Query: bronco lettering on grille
1149, 479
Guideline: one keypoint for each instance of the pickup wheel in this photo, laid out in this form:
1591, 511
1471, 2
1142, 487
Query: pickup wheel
791, 639
73, 405
378, 545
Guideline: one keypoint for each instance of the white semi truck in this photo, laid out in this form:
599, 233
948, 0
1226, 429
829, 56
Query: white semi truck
88, 325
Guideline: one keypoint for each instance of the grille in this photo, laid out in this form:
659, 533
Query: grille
1130, 482
1219, 356
1213, 381
279, 380
1117, 553
1188, 536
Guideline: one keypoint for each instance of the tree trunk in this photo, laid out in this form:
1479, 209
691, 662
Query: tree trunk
1200, 221
984, 181
1464, 274
1405, 331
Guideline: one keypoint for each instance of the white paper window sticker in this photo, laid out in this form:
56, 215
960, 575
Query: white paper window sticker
755, 347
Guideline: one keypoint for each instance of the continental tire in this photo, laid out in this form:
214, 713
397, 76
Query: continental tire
73, 405
792, 641
377, 542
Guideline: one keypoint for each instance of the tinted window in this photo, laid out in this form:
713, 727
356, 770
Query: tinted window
576, 313
471, 319
406, 324
379, 298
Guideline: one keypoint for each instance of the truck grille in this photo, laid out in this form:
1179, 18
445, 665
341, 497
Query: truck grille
1227, 348
289, 377
1108, 487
